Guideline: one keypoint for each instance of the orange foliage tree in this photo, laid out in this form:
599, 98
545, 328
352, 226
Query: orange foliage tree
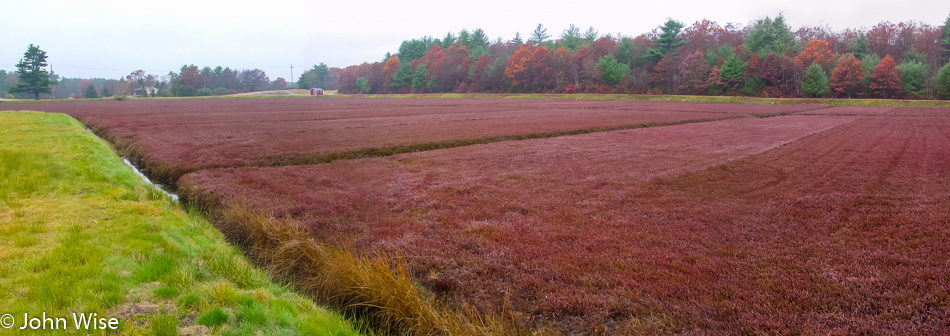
517, 66
886, 80
816, 51
389, 69
847, 77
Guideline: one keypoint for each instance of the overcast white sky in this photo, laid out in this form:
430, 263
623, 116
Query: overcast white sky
112, 38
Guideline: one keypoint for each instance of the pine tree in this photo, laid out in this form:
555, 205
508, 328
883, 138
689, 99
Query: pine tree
611, 71
815, 84
403, 76
517, 40
770, 36
668, 41
943, 82
733, 71
32, 73
419, 77
912, 77
945, 40
539, 35
571, 38
886, 81
91, 92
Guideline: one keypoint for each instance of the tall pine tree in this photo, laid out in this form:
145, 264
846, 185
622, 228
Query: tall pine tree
667, 42
32, 72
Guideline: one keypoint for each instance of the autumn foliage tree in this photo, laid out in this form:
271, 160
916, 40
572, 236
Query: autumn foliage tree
816, 52
763, 59
517, 68
693, 73
848, 77
886, 80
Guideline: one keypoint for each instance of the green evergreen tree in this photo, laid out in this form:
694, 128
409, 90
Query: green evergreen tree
106, 93
419, 77
912, 76
320, 74
868, 63
625, 51
448, 40
539, 35
733, 71
770, 36
611, 71
571, 38
362, 84
815, 84
945, 40
517, 40
478, 40
860, 48
590, 35
403, 76
32, 73
91, 92
667, 42
943, 82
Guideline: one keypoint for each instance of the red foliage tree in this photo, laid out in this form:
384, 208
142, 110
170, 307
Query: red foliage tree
602, 47
752, 69
561, 66
392, 64
816, 51
191, 79
847, 77
480, 73
927, 42
714, 81
692, 75
886, 80
517, 66
539, 69
701, 36
768, 70
445, 67
279, 84
882, 39
348, 76
664, 73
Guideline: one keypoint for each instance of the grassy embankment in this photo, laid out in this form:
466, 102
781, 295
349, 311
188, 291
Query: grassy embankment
81, 233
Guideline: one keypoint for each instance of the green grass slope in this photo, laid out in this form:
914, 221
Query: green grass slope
81, 233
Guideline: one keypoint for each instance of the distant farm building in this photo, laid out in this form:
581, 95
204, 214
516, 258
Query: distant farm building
147, 90
316, 92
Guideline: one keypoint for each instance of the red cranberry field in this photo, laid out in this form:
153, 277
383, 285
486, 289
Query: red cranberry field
173, 137
758, 220
800, 224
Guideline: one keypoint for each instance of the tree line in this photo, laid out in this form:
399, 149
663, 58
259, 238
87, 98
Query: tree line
188, 81
766, 59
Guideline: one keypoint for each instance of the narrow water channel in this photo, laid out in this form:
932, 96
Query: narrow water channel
138, 172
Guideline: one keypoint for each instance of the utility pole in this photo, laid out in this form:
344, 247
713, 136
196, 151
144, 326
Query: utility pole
291, 75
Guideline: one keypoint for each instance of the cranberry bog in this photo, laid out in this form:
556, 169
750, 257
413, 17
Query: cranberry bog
793, 224
173, 137
601, 218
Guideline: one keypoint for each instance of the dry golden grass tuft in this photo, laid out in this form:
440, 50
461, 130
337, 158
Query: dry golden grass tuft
377, 288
